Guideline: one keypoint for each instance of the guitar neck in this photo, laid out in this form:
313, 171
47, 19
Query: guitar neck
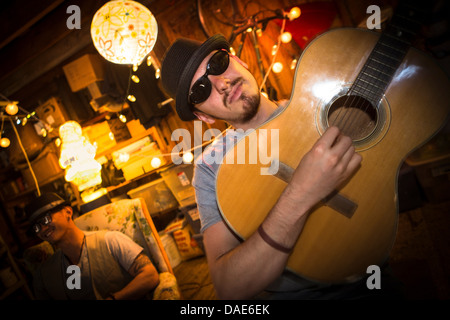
386, 56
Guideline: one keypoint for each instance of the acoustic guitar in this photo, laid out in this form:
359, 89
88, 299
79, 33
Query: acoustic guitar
390, 99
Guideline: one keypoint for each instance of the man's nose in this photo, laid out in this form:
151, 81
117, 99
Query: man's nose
220, 83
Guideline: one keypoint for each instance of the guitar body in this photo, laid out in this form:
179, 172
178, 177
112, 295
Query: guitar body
334, 247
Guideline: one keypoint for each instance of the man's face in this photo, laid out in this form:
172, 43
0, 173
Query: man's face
55, 230
234, 96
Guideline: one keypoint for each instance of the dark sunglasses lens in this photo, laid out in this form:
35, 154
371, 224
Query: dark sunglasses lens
37, 228
200, 90
43, 221
218, 63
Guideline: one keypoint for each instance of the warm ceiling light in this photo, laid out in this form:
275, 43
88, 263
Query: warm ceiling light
5, 142
294, 13
124, 32
286, 37
11, 108
277, 67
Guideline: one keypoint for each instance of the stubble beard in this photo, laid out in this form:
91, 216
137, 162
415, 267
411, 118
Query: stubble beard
250, 106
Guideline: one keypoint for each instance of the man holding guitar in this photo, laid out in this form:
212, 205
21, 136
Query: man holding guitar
209, 83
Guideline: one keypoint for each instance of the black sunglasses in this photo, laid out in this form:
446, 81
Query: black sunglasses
45, 220
201, 89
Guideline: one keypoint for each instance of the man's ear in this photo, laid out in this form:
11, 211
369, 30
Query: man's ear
69, 211
239, 61
204, 117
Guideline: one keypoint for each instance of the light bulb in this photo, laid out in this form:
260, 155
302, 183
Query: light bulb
188, 157
293, 64
156, 162
135, 78
131, 98
274, 49
5, 142
286, 37
122, 118
277, 67
294, 13
11, 109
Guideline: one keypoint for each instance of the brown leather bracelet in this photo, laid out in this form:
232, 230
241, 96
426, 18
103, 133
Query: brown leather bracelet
267, 239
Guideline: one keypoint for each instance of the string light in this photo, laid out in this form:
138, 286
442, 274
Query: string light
135, 78
274, 49
293, 64
188, 157
277, 67
12, 108
294, 13
131, 98
286, 37
122, 118
156, 162
5, 142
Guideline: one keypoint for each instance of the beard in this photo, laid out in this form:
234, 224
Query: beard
250, 106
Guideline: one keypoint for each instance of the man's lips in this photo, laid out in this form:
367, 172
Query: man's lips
235, 93
47, 233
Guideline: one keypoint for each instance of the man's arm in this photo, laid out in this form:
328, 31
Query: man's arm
242, 270
146, 278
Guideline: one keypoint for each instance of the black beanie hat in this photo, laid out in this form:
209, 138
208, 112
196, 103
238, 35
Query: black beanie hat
179, 65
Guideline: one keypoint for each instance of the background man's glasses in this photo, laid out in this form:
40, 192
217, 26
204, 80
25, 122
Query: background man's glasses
46, 220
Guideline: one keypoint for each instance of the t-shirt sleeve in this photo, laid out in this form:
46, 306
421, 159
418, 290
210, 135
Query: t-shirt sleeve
122, 248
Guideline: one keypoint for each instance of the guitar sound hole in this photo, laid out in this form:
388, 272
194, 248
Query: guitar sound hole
354, 116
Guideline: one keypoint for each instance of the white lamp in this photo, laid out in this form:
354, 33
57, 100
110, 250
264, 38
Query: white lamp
124, 32
78, 158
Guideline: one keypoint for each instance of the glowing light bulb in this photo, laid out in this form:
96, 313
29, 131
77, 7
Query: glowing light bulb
232, 51
123, 118
188, 157
286, 37
293, 64
274, 49
277, 67
135, 78
11, 109
294, 13
131, 98
156, 162
5, 142
157, 73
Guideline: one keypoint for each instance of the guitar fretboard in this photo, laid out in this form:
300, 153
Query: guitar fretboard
386, 57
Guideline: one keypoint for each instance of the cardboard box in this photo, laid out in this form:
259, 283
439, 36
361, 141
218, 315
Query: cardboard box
179, 181
52, 112
45, 166
84, 71
100, 135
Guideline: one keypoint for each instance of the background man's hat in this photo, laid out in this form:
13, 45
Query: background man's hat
179, 65
43, 204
